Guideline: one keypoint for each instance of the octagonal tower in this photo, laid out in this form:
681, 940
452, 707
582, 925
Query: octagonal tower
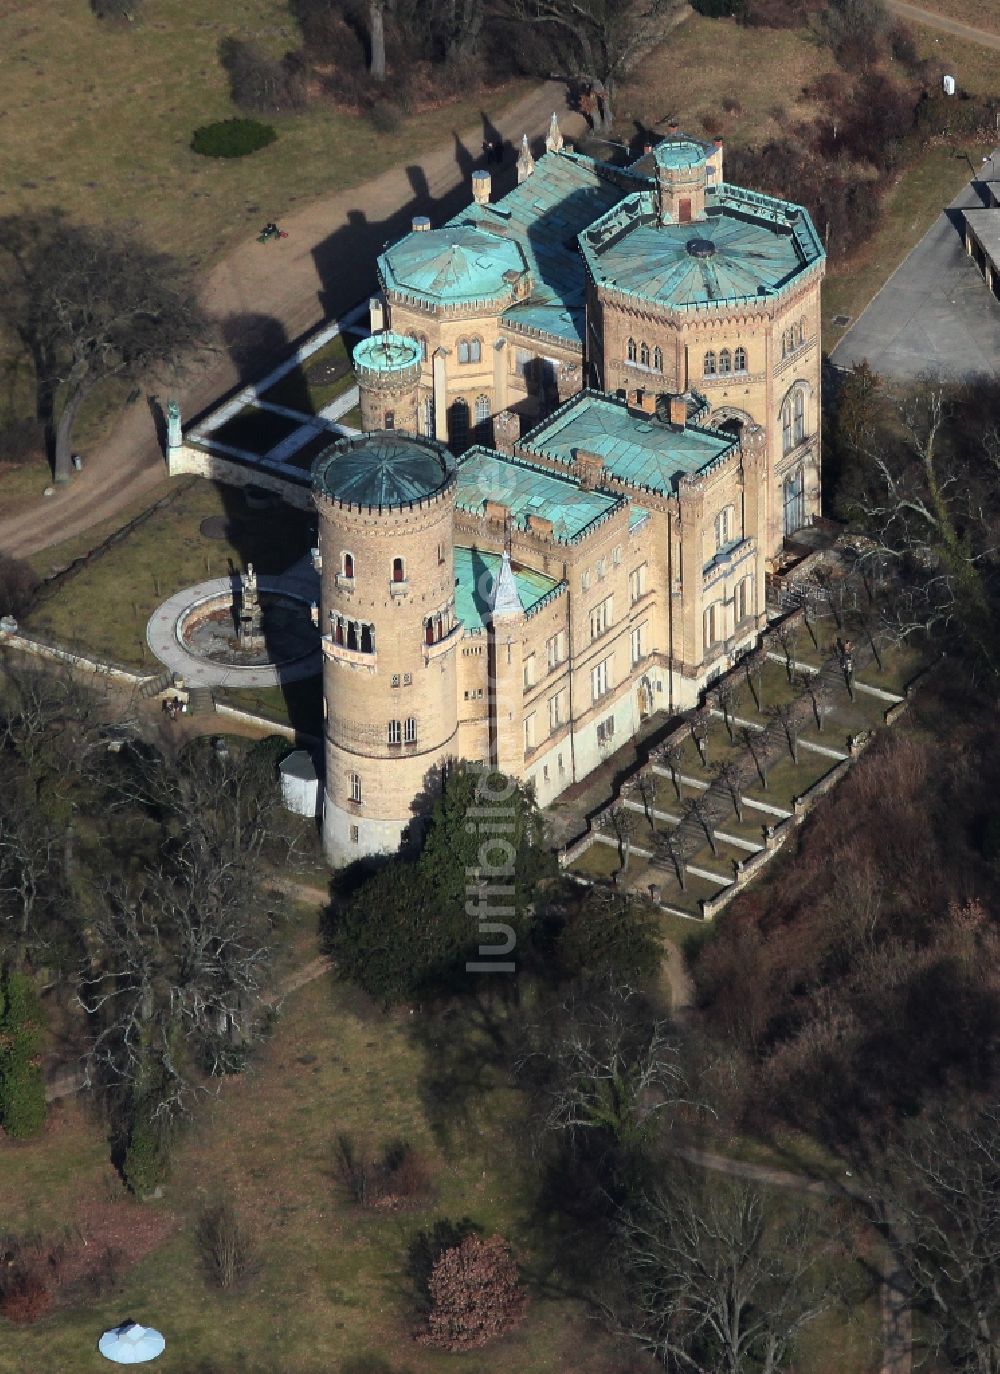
386, 506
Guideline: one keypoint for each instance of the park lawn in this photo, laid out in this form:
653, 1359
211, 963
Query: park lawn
299, 704
787, 780
332, 1289
705, 61
698, 889
99, 119
599, 860
298, 388
103, 609
351, 419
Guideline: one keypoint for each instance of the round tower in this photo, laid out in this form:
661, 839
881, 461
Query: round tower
386, 505
387, 367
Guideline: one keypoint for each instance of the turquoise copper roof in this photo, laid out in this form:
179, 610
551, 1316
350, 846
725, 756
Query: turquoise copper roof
529, 490
386, 352
384, 469
748, 247
475, 572
456, 265
678, 155
638, 450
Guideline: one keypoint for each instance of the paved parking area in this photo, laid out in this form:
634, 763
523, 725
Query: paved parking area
935, 316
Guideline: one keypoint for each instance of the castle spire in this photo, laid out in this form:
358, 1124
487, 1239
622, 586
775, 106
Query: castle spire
504, 598
525, 162
554, 138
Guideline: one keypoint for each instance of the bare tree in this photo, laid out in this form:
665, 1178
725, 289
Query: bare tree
731, 777
754, 664
31, 887
675, 852
942, 1190
623, 820
648, 789
756, 744
714, 1282
812, 687
787, 634
600, 39
91, 305
788, 718
699, 810
699, 726
672, 754
727, 694
609, 1070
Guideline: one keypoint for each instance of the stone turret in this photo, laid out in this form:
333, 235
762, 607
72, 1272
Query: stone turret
554, 138
506, 668
525, 162
681, 178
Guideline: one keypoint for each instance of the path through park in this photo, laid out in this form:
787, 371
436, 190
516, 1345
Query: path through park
265, 296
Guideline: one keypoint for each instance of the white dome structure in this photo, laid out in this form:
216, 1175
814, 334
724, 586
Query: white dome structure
131, 1343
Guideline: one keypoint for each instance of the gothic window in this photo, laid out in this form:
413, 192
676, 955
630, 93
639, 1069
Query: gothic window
713, 624
709, 367
463, 350
475, 350
352, 636
395, 733
347, 564
658, 359
723, 527
725, 361
367, 639
786, 428
458, 423
793, 495
632, 353
428, 631
398, 570
740, 360
354, 782
799, 417
338, 631
644, 354
744, 599
484, 429
410, 730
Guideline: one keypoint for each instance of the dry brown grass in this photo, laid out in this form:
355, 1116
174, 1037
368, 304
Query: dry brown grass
707, 61
981, 14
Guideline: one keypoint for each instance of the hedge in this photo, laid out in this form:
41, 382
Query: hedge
232, 138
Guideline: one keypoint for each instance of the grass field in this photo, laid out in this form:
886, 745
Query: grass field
103, 610
97, 120
981, 14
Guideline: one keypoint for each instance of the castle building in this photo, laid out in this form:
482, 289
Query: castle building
592, 414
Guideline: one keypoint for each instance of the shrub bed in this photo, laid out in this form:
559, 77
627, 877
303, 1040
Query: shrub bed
232, 138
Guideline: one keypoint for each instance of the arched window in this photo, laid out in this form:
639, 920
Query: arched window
712, 624
740, 360
725, 361
352, 636
475, 350
644, 353
799, 417
793, 499
658, 358
709, 367
786, 428
463, 350
421, 339
458, 423
631, 350
395, 732
398, 570
338, 631
367, 639
410, 730
724, 526
347, 564
429, 631
744, 599
482, 409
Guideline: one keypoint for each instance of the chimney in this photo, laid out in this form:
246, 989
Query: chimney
678, 411
525, 162
376, 315
647, 402
482, 185
496, 510
538, 524
587, 468
420, 224
672, 127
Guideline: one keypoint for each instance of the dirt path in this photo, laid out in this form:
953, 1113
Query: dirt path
918, 15
266, 296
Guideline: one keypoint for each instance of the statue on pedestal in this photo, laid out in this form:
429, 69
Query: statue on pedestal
250, 631
173, 424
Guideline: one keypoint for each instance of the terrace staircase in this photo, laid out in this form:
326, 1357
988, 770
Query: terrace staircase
153, 686
201, 702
